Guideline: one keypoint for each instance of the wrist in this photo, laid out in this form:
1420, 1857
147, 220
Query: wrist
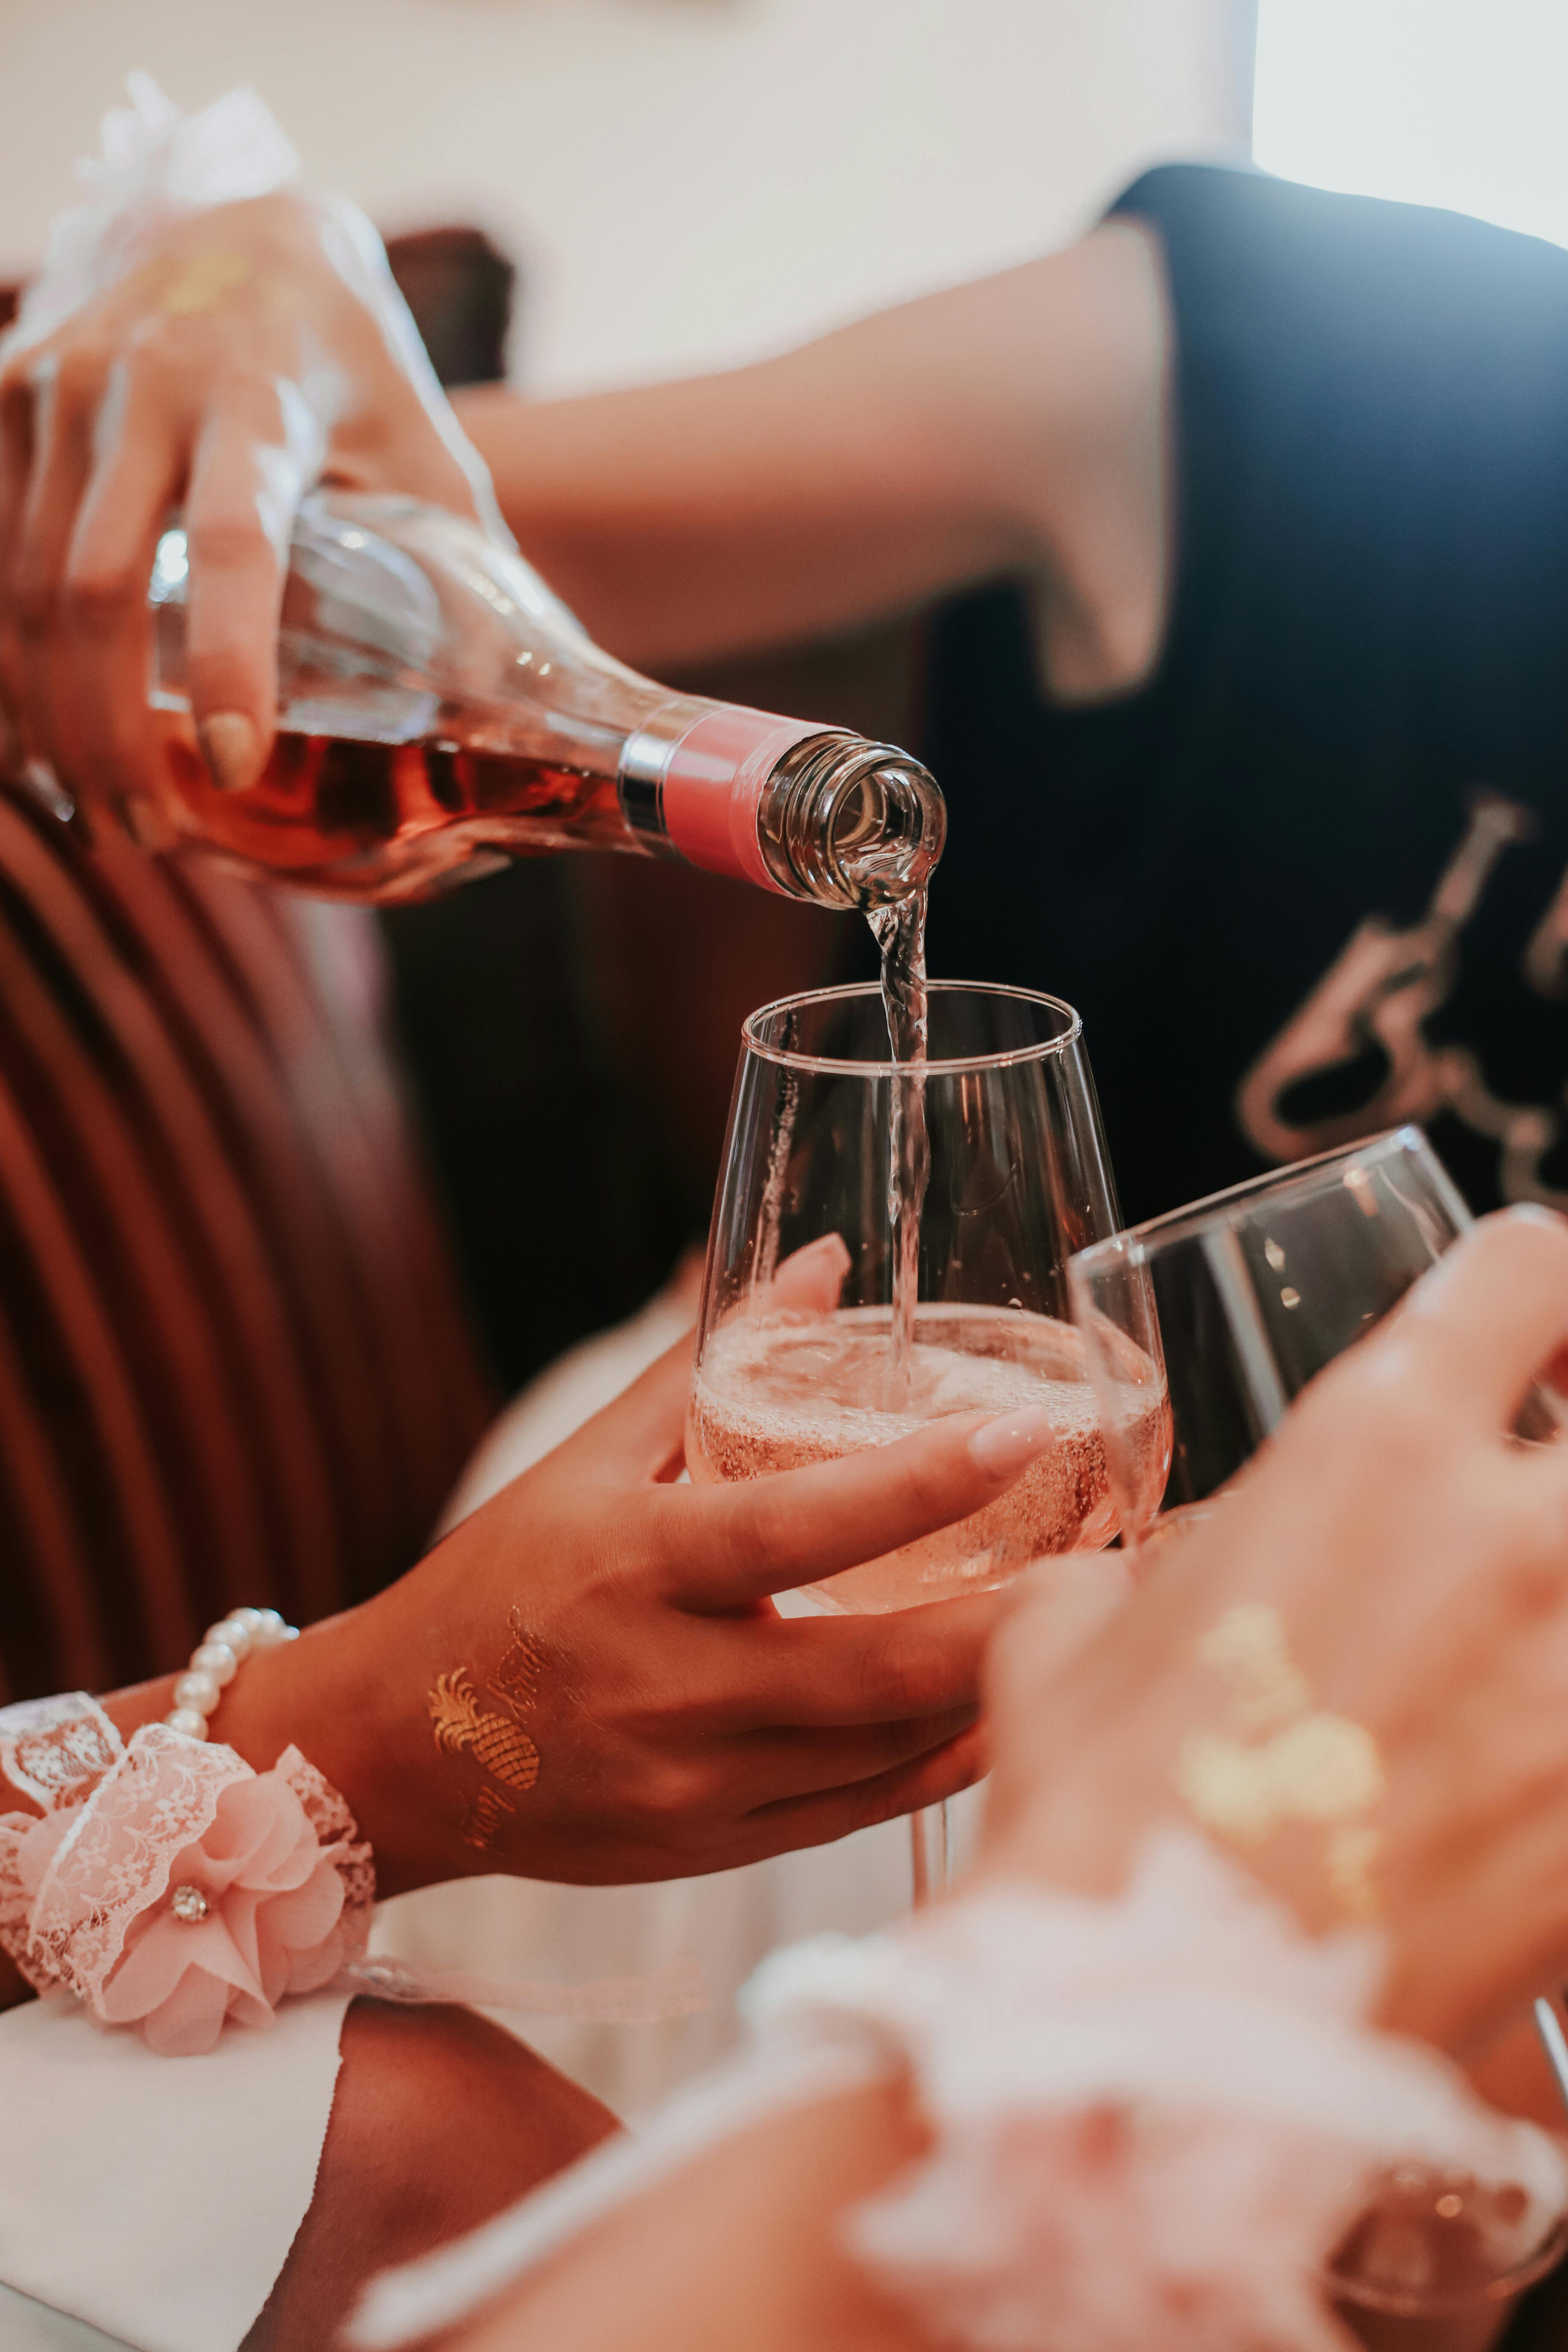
323, 1695
1445, 1981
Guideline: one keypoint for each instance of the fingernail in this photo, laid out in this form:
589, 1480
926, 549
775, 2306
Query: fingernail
831, 1245
1535, 1213
231, 749
145, 823
1008, 1444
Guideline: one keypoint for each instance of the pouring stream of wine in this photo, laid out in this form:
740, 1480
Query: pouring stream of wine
900, 931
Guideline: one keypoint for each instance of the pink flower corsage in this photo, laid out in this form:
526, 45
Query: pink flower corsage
168, 1885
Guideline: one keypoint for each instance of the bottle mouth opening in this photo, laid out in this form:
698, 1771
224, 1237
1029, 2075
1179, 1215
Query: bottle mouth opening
879, 835
852, 824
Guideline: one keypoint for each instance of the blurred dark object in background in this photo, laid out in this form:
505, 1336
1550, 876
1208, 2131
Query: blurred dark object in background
9, 298
461, 292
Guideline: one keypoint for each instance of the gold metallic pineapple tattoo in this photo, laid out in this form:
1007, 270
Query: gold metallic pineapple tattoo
497, 1742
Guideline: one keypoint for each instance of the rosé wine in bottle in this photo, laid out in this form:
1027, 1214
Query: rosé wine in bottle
440, 711
789, 1389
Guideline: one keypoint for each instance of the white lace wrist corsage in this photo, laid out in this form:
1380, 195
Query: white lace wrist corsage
168, 1885
1155, 2119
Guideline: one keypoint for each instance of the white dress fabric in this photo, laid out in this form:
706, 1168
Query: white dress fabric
156, 2198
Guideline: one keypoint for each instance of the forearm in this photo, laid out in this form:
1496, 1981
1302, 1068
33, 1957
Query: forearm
745, 2244
1015, 423
773, 505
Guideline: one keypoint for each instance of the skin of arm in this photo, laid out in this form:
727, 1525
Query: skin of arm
1016, 423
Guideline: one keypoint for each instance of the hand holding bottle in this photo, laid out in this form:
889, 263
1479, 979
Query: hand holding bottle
210, 344
245, 354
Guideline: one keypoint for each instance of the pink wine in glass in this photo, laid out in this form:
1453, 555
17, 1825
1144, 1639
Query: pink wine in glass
791, 1389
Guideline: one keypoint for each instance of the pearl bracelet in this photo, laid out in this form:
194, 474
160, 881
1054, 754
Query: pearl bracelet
223, 1650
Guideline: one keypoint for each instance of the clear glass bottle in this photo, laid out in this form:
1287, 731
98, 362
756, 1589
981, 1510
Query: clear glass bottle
440, 711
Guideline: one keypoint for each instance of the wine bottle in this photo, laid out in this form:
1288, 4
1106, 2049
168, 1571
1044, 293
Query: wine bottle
441, 711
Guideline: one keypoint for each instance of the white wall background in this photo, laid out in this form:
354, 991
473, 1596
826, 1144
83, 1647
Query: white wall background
1455, 102
689, 181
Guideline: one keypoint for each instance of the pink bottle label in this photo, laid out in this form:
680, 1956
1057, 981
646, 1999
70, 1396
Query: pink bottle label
713, 783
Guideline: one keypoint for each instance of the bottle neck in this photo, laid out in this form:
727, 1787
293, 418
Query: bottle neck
815, 813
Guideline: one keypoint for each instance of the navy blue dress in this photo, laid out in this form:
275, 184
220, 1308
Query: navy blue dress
1312, 878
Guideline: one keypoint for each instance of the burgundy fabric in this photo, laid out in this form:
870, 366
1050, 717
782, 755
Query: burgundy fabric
233, 1363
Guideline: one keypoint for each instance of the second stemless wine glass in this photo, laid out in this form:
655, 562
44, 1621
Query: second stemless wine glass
1227, 1309
1230, 1306
792, 1369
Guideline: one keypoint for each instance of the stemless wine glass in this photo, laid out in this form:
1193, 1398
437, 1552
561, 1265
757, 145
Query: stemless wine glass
1018, 1180
1233, 1305
1226, 1309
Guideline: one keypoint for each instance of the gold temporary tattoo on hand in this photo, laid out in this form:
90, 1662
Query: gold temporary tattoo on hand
498, 1743
495, 1741
194, 288
516, 1679
483, 1817
1287, 1760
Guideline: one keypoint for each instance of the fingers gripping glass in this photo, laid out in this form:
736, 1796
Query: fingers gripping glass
795, 1341
1229, 1307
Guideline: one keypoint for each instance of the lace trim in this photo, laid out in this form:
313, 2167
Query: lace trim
57, 1750
116, 1820
16, 1903
338, 1833
114, 1863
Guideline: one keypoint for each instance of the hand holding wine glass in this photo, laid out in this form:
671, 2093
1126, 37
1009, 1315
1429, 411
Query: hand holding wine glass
586, 1680
1237, 1305
1417, 1555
